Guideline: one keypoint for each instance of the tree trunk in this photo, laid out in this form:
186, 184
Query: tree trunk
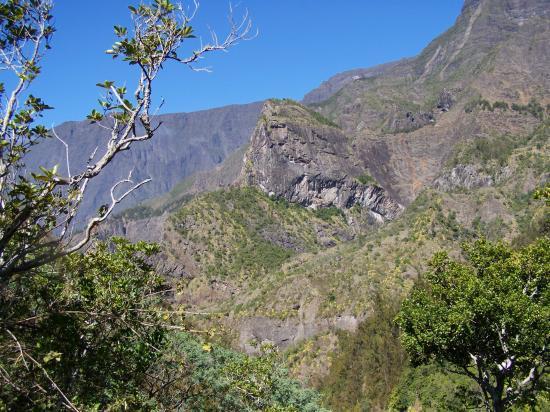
498, 405
496, 396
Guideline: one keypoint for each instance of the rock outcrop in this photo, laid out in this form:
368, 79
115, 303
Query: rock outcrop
463, 177
296, 155
470, 177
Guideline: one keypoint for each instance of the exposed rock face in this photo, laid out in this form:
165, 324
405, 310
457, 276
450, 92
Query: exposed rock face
446, 100
498, 49
469, 177
410, 121
288, 332
463, 176
295, 156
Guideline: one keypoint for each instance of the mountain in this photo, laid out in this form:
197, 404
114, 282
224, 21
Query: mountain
403, 122
338, 81
297, 155
311, 235
185, 143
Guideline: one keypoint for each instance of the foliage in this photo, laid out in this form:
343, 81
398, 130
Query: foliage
94, 325
327, 213
543, 193
501, 105
366, 179
488, 318
88, 324
433, 388
479, 102
211, 378
369, 362
244, 232
38, 211
80, 331
485, 150
533, 108
318, 117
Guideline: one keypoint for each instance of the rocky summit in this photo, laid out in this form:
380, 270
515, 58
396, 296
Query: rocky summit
298, 155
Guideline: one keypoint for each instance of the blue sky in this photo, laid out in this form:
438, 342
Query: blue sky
300, 44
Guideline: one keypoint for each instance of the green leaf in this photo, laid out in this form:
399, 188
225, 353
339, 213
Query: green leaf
106, 84
52, 355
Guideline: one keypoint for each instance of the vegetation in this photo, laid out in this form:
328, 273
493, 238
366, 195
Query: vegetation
367, 179
242, 232
217, 379
533, 108
368, 364
88, 329
489, 319
496, 151
327, 213
82, 332
316, 116
432, 388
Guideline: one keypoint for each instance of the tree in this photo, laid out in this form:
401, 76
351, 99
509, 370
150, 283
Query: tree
217, 379
37, 212
370, 362
488, 317
80, 331
83, 331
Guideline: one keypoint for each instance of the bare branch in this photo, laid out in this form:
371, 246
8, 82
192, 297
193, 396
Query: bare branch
66, 151
105, 213
68, 403
22, 355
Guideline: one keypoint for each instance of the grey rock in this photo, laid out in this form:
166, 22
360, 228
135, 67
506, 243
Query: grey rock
259, 330
281, 239
409, 121
293, 157
446, 100
463, 176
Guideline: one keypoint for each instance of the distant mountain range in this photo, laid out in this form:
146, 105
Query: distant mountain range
184, 144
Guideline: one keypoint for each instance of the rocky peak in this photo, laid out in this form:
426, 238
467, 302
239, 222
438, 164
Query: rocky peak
298, 155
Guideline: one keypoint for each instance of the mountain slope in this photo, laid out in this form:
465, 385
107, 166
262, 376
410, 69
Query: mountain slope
405, 123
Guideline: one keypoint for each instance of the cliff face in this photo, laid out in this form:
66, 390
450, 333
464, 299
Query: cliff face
296, 155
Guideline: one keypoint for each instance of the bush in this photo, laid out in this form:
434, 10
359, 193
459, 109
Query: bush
211, 378
328, 213
367, 179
